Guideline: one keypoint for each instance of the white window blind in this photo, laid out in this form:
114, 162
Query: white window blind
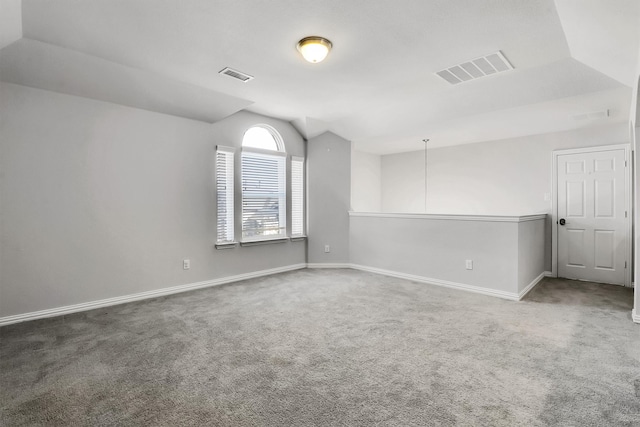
224, 191
297, 196
264, 196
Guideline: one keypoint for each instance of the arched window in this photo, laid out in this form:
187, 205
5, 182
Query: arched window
264, 190
263, 137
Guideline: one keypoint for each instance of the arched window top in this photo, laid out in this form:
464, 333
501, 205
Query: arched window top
263, 137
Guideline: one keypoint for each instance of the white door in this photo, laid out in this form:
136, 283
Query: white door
592, 220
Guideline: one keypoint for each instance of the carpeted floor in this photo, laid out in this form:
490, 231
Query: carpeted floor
331, 348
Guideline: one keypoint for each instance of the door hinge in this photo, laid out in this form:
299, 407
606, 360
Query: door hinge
625, 264
625, 163
625, 214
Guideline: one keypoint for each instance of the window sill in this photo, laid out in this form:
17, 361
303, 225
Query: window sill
229, 245
232, 245
264, 242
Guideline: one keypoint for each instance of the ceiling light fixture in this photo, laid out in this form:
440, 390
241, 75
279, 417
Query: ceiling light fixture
314, 49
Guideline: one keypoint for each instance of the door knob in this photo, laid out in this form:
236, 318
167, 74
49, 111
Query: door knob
562, 221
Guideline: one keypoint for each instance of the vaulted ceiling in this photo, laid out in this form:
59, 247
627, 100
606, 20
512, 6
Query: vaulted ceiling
378, 86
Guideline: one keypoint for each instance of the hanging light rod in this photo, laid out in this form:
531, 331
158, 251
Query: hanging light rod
425, 173
314, 48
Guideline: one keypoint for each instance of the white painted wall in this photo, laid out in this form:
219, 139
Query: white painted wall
506, 177
403, 189
101, 201
366, 181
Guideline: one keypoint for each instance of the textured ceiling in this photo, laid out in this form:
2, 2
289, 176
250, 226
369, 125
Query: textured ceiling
75, 73
376, 88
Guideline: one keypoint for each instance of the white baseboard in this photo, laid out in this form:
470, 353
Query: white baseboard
59, 311
471, 288
8, 320
532, 285
635, 316
328, 265
549, 274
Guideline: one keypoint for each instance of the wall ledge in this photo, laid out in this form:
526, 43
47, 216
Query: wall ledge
59, 311
452, 217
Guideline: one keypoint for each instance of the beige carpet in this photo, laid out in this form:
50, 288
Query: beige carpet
331, 348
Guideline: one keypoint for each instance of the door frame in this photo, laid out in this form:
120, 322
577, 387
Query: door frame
627, 202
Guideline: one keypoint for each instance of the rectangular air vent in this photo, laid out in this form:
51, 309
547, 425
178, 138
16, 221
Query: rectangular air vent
476, 68
236, 74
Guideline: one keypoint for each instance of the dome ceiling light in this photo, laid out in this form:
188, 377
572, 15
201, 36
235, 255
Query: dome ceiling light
314, 49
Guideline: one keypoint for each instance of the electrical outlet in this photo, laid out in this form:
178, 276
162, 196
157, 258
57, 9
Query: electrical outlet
327, 249
186, 264
469, 264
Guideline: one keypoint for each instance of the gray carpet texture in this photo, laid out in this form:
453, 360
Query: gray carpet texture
331, 348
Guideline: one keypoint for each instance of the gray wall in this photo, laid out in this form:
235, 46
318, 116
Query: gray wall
506, 177
437, 249
329, 193
366, 177
530, 252
100, 200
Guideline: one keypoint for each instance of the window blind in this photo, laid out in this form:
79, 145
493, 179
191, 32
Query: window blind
224, 192
263, 196
297, 196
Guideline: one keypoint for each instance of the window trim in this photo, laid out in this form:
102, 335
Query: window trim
303, 209
264, 241
286, 197
231, 194
263, 151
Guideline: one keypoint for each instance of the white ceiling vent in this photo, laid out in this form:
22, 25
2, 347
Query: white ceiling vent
476, 68
236, 74
594, 115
